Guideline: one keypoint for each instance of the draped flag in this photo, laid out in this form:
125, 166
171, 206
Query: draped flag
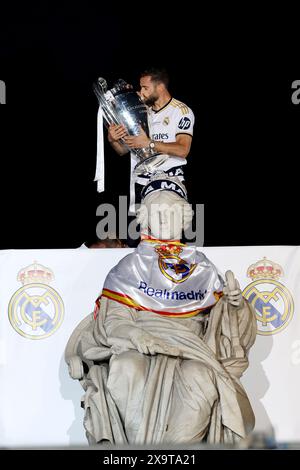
170, 279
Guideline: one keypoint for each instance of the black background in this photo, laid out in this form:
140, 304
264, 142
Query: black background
243, 164
245, 147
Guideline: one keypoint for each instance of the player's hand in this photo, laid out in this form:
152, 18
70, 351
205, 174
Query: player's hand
137, 141
116, 132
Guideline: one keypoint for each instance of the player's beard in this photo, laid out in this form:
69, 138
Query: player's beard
150, 101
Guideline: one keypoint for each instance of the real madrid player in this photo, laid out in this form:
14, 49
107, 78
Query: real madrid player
171, 125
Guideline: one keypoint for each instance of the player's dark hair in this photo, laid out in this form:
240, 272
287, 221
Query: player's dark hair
159, 75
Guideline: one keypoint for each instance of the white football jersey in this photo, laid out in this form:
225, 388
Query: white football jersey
165, 124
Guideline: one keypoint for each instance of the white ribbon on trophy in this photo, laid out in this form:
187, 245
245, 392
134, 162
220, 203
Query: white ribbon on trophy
99, 176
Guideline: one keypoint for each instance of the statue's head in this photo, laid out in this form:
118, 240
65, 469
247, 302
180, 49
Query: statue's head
165, 211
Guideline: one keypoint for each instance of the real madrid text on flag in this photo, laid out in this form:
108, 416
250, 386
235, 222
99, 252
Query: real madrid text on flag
45, 294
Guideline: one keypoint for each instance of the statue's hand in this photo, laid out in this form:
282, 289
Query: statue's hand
232, 290
146, 343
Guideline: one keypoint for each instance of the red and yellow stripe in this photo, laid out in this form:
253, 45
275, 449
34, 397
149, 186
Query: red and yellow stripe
126, 300
155, 241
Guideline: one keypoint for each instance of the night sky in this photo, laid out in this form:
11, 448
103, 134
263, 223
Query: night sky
242, 164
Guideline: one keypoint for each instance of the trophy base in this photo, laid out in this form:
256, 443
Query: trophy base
149, 164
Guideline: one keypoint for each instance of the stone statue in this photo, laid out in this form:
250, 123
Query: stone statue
168, 343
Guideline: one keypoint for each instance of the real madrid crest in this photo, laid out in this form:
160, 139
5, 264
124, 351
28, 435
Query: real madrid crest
272, 301
36, 310
172, 266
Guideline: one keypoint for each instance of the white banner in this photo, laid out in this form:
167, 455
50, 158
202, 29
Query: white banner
44, 294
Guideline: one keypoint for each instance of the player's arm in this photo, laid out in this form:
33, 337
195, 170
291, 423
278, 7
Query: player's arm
180, 148
115, 133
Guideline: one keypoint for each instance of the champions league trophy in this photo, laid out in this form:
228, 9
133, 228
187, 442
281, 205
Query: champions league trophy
122, 105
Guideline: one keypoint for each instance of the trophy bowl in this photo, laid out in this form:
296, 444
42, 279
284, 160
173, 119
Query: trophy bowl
122, 105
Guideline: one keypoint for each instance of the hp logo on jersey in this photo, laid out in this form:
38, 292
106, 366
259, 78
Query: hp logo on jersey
185, 123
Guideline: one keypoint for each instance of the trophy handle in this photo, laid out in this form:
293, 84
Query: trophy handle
99, 88
102, 84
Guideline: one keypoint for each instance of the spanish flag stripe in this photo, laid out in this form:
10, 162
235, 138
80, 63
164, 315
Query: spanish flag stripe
164, 242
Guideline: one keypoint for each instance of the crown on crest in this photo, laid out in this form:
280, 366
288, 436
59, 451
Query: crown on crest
265, 269
168, 250
35, 273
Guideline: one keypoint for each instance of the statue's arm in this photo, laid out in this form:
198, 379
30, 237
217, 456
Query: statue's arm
121, 328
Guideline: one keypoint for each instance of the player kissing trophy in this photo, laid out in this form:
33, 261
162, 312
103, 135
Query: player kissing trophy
122, 105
